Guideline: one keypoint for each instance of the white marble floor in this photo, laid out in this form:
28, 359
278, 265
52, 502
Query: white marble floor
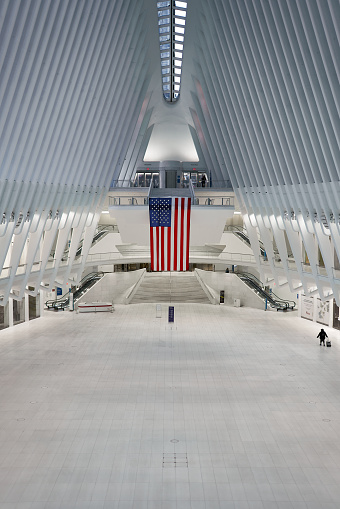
229, 408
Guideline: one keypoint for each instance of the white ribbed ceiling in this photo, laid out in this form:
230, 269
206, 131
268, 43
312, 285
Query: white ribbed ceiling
73, 76
269, 89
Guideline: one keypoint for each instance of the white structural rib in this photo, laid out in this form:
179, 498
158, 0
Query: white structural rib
73, 80
268, 89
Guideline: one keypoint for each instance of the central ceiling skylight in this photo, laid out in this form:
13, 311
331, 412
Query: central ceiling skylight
171, 27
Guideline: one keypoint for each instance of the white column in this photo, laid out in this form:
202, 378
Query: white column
299, 304
6, 315
10, 313
315, 313
27, 309
41, 302
331, 311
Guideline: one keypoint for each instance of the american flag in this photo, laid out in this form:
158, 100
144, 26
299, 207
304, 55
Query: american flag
169, 233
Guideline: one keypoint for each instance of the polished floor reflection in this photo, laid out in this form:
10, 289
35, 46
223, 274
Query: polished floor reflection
227, 408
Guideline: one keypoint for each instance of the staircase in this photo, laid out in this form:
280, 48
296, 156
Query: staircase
170, 287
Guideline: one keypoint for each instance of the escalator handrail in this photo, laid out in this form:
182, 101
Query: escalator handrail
242, 230
272, 297
262, 291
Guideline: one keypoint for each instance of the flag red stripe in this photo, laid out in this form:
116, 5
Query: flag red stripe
175, 233
181, 254
188, 233
157, 249
162, 249
151, 248
169, 248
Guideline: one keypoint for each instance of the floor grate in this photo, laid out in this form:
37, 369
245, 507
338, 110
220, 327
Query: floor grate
175, 460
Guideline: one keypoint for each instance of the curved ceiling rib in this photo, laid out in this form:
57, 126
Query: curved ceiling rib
74, 77
70, 71
270, 82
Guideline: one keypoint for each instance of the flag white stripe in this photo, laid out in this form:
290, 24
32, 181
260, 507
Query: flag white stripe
172, 233
185, 234
179, 229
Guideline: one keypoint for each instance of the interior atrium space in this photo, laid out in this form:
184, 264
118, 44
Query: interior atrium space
174, 166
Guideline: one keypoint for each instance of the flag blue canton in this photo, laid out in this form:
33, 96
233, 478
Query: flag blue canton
160, 212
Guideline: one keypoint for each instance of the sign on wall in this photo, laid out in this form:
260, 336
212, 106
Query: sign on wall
171, 314
322, 311
307, 307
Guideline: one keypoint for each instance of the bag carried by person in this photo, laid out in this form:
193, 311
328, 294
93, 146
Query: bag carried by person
328, 343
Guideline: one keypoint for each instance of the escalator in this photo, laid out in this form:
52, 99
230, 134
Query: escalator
242, 234
78, 291
102, 230
272, 300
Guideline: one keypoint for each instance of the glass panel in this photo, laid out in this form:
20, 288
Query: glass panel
164, 38
141, 179
177, 87
165, 4
179, 30
166, 87
166, 12
163, 30
178, 54
165, 62
177, 4
178, 71
178, 63
164, 21
180, 13
166, 70
177, 79
167, 96
177, 46
179, 21
155, 179
165, 54
176, 94
179, 38
166, 79
166, 46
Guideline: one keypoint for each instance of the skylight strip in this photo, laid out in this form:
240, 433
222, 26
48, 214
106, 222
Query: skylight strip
171, 27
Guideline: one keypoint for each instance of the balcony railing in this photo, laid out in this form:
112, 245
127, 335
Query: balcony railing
115, 201
215, 201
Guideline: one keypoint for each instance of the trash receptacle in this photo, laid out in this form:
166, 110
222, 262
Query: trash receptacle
237, 303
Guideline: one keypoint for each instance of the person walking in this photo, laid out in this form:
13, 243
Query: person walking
322, 335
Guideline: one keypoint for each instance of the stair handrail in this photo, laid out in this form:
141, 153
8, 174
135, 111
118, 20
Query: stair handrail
205, 288
192, 192
135, 287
